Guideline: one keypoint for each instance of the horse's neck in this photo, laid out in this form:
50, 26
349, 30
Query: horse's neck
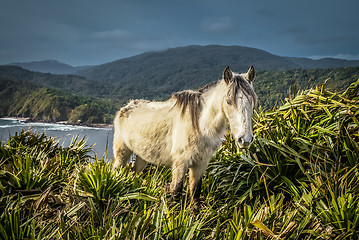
212, 119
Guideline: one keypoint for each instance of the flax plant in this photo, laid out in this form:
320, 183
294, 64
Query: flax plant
298, 180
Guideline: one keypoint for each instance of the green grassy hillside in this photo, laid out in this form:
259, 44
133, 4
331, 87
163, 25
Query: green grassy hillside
298, 180
23, 99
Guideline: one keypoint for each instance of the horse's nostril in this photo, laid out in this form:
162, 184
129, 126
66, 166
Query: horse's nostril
242, 143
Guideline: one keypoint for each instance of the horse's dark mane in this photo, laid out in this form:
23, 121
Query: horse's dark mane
191, 100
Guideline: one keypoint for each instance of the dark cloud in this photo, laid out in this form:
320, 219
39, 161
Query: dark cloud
217, 25
316, 36
267, 13
339, 55
294, 30
124, 39
92, 32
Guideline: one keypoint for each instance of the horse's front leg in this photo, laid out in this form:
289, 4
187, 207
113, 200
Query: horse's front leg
179, 170
140, 164
195, 182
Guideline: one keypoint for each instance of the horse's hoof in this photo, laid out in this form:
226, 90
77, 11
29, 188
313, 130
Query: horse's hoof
167, 188
196, 208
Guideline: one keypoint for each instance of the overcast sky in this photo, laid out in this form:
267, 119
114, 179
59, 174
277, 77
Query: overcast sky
87, 32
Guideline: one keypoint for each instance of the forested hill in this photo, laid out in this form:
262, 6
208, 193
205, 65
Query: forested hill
274, 86
48, 66
70, 83
158, 74
271, 86
23, 99
178, 66
99, 91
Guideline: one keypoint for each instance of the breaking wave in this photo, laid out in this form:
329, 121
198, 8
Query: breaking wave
17, 123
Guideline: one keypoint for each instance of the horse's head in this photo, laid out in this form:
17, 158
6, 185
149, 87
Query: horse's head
238, 105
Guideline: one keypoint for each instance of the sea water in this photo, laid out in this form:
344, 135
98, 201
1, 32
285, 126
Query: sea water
101, 138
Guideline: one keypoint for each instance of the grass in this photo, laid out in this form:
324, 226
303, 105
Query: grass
298, 180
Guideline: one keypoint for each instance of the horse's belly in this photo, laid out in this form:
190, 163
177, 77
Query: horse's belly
154, 152
150, 141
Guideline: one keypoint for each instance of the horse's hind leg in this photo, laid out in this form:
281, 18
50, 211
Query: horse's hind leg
121, 153
140, 164
179, 170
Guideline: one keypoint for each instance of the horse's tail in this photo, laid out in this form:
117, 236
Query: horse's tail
116, 121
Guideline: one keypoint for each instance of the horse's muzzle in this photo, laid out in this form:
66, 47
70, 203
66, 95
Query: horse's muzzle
243, 144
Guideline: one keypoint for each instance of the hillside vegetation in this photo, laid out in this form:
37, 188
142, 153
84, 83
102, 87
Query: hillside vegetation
199, 62
298, 180
101, 90
26, 100
156, 75
272, 87
49, 66
51, 100
69, 83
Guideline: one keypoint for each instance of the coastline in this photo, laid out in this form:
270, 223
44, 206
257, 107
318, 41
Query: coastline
30, 120
98, 137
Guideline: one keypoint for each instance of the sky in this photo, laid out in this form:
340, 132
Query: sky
91, 32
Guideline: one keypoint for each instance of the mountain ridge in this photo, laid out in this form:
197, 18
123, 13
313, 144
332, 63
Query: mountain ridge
160, 73
48, 66
203, 57
25, 93
68, 82
272, 61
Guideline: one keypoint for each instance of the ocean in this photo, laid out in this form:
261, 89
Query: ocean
100, 137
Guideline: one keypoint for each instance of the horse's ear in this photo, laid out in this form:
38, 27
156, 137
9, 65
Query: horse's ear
251, 73
227, 75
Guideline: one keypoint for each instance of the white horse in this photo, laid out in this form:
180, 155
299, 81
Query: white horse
185, 131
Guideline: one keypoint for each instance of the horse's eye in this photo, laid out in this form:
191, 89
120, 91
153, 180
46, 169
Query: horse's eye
229, 101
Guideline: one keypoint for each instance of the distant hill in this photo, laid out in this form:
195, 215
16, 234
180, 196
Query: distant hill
172, 62
271, 85
158, 74
22, 92
306, 63
155, 74
70, 83
49, 66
